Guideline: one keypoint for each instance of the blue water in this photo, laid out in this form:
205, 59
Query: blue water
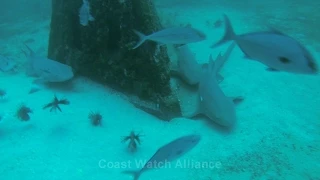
277, 135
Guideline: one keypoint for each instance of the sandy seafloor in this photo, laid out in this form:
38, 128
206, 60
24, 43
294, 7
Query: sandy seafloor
277, 135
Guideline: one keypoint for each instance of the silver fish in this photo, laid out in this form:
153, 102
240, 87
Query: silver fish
84, 13
167, 153
274, 49
176, 35
213, 102
6, 64
47, 70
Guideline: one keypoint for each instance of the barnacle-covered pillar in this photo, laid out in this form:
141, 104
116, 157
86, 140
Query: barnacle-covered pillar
102, 49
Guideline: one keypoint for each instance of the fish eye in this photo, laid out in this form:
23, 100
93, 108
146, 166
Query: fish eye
284, 60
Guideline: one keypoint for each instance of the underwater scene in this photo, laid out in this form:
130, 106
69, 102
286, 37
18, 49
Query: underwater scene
159, 90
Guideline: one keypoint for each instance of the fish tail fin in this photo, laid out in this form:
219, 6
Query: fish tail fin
142, 37
135, 174
228, 34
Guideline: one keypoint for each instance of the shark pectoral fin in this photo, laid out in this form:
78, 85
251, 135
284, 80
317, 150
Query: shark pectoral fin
189, 101
237, 100
191, 113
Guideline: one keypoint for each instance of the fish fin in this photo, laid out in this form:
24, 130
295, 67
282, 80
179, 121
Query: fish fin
58, 107
189, 100
142, 37
32, 53
196, 109
272, 69
191, 114
237, 100
212, 67
228, 34
135, 174
276, 31
211, 62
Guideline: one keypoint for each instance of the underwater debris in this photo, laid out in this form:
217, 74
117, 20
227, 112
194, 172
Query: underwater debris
55, 104
95, 118
23, 112
133, 139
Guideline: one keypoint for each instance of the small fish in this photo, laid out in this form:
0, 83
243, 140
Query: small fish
176, 35
84, 13
54, 105
213, 103
23, 112
134, 140
274, 49
95, 118
47, 70
167, 153
6, 64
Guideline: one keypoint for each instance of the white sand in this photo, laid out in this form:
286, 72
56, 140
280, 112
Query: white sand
277, 135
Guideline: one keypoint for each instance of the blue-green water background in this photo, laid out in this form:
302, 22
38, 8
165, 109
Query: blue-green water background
278, 131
